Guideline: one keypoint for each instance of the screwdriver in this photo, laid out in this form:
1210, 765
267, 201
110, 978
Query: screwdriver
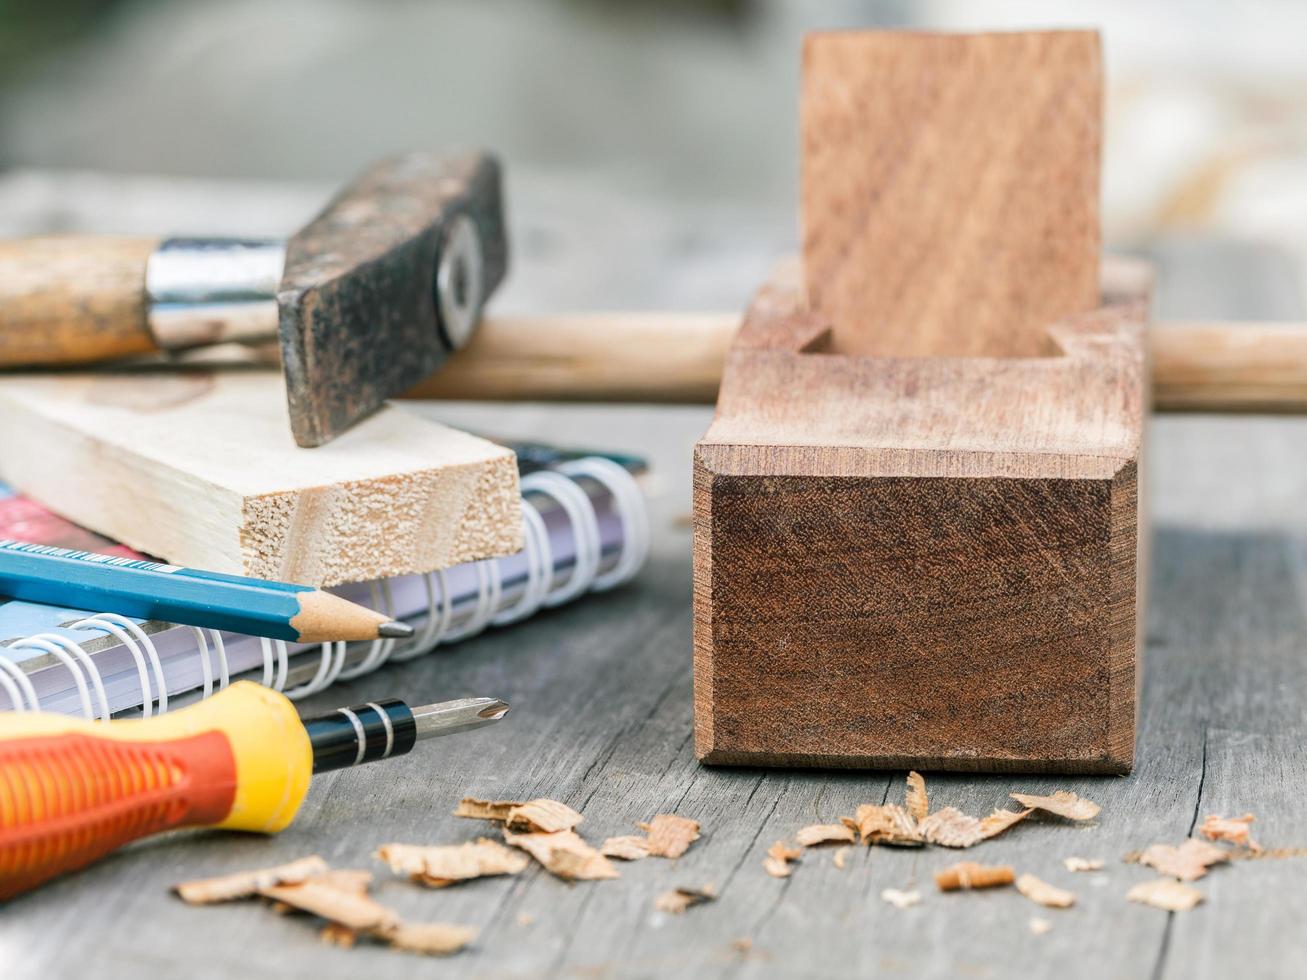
73, 790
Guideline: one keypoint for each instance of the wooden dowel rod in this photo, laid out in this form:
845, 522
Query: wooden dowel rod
677, 358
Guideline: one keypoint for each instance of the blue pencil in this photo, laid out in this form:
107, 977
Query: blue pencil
150, 590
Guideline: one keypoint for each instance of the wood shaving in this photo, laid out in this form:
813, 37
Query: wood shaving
327, 900
243, 884
779, 856
1062, 803
743, 946
1040, 926
969, 875
838, 857
628, 848
950, 827
1187, 862
677, 900
1083, 864
824, 833
1042, 893
431, 938
565, 855
1163, 893
917, 802
526, 919
886, 824
439, 866
1231, 829
900, 899
475, 809
542, 816
670, 836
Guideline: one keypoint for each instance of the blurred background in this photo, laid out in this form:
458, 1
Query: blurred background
634, 133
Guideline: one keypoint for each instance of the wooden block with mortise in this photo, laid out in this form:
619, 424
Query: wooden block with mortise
922, 548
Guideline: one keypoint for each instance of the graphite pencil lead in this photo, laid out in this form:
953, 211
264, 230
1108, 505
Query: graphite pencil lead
394, 630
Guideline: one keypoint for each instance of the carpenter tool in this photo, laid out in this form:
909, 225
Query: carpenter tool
367, 299
152, 590
73, 790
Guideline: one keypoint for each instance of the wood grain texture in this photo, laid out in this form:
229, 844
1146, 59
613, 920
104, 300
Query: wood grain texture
73, 298
938, 552
199, 469
950, 188
602, 711
1224, 367
916, 541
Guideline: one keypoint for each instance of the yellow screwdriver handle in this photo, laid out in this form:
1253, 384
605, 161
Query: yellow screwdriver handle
72, 790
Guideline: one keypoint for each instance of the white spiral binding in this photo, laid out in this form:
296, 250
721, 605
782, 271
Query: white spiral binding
558, 484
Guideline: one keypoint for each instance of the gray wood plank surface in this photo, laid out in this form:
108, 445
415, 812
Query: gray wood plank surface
601, 695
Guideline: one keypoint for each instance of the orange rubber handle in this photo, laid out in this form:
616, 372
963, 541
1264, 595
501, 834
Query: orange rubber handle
68, 800
73, 790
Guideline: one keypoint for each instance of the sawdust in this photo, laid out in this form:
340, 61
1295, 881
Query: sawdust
475, 809
565, 855
1063, 803
677, 900
1040, 926
900, 899
1042, 893
243, 884
627, 848
1233, 830
824, 833
1163, 893
542, 816
917, 802
950, 827
439, 866
887, 823
1083, 864
779, 856
839, 857
967, 875
431, 938
1187, 862
338, 896
670, 836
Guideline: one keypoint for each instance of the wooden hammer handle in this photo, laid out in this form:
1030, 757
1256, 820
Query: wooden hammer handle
74, 298
678, 357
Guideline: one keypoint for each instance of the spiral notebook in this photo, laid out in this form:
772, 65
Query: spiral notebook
585, 529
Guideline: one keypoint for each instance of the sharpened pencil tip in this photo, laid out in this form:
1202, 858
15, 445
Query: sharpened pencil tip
395, 630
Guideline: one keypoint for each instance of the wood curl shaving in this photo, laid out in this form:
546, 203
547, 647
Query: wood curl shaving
242, 884
542, 816
1063, 803
1042, 893
887, 823
565, 855
475, 809
900, 899
968, 875
824, 833
1233, 830
670, 836
677, 900
917, 802
1082, 864
627, 848
439, 866
779, 856
1163, 893
1187, 862
950, 827
338, 896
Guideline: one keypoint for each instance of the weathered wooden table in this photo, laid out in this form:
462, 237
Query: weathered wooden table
601, 695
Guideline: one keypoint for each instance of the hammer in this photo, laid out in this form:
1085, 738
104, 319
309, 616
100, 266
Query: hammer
366, 300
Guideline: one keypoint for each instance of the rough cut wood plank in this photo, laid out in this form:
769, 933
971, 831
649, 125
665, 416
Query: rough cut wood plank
200, 469
950, 188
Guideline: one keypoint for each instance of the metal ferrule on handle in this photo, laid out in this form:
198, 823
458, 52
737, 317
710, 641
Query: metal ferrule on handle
203, 291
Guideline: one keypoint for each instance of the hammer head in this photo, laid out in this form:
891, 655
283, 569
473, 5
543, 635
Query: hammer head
388, 280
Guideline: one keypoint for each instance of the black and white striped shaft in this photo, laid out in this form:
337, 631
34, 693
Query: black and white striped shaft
381, 729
